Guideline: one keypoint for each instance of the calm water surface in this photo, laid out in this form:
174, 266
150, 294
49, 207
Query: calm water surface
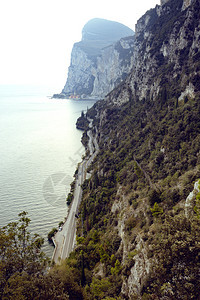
39, 151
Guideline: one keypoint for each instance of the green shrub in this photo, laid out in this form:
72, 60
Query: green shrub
156, 210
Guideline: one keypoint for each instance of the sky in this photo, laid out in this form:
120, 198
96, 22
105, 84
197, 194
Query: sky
37, 36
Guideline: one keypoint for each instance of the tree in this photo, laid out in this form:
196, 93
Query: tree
156, 210
100, 287
82, 114
83, 279
115, 271
20, 252
23, 267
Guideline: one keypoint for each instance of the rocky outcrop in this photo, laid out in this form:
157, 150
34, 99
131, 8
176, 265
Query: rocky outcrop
191, 201
186, 3
101, 60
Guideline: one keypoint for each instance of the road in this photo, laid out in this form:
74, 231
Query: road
64, 240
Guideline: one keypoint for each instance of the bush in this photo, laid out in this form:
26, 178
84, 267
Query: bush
69, 199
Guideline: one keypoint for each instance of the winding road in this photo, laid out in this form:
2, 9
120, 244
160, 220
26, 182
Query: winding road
64, 240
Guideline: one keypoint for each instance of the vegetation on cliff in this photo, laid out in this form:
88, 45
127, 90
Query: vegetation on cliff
147, 168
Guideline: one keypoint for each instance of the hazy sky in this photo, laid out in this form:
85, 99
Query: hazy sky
37, 35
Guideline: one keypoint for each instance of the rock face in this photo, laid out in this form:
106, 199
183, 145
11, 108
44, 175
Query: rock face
166, 47
186, 3
101, 60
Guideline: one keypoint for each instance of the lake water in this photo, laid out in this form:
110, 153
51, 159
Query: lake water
39, 151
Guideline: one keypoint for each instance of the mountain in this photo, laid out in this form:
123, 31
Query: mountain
101, 60
139, 230
106, 31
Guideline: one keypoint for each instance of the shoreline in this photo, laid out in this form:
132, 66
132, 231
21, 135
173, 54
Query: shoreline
69, 97
42, 125
64, 241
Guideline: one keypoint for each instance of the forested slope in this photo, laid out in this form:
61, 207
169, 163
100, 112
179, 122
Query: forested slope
139, 236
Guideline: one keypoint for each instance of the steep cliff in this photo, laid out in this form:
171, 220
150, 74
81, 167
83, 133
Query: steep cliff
101, 60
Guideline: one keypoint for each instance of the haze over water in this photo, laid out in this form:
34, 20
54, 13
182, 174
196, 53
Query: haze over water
39, 151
